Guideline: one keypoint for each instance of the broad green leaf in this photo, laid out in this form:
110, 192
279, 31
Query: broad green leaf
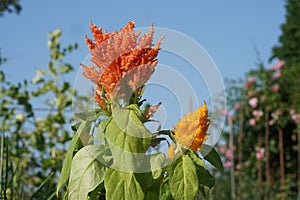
204, 177
183, 179
64, 175
87, 171
122, 186
128, 139
212, 156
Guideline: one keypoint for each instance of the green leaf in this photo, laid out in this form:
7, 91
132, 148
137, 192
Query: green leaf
122, 186
64, 175
52, 69
87, 116
204, 177
128, 139
38, 77
212, 156
183, 179
165, 193
87, 171
65, 68
157, 162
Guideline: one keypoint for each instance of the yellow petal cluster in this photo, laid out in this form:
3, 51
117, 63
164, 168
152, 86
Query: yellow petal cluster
191, 130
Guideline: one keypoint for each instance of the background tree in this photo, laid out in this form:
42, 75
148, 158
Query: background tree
10, 6
288, 50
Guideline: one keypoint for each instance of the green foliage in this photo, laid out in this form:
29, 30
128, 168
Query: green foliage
35, 136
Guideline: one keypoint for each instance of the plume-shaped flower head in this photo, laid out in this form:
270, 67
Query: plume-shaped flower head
120, 58
191, 130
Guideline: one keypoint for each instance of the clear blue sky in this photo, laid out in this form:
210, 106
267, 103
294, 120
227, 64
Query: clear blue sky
225, 29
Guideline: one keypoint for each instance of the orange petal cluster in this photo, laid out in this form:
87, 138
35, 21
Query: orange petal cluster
190, 132
115, 54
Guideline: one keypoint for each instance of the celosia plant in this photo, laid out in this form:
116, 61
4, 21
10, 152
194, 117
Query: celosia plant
115, 163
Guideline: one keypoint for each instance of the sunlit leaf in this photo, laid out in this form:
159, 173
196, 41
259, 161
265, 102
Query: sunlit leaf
122, 186
87, 171
64, 176
183, 179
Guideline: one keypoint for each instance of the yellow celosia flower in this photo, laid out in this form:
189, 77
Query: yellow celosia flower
190, 132
171, 151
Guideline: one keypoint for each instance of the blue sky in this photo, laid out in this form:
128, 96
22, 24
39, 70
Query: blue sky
225, 29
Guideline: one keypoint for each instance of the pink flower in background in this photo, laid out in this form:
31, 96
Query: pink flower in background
257, 113
278, 65
252, 122
228, 154
227, 164
253, 102
238, 166
249, 82
296, 118
276, 114
271, 122
222, 149
263, 98
260, 153
292, 111
275, 87
237, 106
277, 74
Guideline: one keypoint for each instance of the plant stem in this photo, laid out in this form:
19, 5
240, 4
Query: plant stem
240, 156
267, 150
232, 178
281, 160
298, 134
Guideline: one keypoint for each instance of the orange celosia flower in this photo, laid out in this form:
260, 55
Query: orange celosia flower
190, 132
116, 54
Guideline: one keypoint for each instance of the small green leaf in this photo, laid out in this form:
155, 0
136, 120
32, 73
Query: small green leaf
183, 179
212, 156
165, 193
122, 186
52, 69
64, 175
87, 171
65, 68
157, 162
